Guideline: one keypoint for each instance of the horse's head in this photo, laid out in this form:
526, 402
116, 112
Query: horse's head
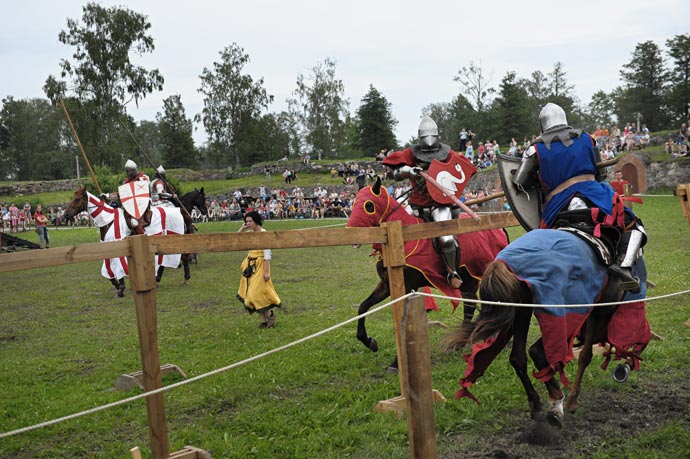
196, 198
77, 204
372, 206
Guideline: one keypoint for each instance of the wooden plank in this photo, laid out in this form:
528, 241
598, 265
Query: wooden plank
63, 255
231, 242
136, 454
142, 274
420, 401
459, 226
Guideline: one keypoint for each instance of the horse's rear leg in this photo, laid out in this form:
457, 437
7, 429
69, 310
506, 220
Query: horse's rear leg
159, 274
119, 285
554, 412
518, 358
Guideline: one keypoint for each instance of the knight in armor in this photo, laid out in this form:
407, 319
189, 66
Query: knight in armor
407, 164
132, 174
563, 162
161, 191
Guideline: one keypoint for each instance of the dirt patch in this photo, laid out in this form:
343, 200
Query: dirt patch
604, 417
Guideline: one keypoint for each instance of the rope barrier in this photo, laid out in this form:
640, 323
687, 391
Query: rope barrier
199, 377
302, 340
552, 306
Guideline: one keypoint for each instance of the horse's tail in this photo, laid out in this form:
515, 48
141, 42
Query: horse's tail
498, 284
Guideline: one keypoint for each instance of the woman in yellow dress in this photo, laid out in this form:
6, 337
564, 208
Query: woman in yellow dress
256, 291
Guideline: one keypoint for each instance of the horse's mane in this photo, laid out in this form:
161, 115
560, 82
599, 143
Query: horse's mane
498, 284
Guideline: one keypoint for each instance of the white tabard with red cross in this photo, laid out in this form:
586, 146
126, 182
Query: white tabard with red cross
135, 197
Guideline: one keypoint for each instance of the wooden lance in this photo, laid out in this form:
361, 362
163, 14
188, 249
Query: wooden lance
81, 148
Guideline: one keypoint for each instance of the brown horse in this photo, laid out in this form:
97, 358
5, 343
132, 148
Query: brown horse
551, 267
374, 205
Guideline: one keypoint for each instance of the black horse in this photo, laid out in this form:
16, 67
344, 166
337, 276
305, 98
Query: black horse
196, 198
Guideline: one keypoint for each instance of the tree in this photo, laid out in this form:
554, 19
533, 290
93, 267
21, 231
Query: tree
176, 139
31, 145
560, 91
679, 98
231, 99
103, 77
512, 110
475, 85
600, 111
375, 123
645, 77
322, 108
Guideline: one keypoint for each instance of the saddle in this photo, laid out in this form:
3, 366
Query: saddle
138, 226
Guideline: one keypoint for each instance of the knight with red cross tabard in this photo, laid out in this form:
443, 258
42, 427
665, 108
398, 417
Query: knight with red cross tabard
134, 197
563, 163
411, 163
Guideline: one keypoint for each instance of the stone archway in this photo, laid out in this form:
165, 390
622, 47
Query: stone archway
634, 171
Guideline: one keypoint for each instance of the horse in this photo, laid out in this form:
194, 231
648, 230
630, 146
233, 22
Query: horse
424, 267
552, 267
196, 198
112, 224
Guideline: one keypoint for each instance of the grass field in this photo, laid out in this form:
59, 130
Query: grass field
65, 338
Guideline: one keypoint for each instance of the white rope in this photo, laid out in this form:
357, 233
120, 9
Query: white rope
199, 377
530, 305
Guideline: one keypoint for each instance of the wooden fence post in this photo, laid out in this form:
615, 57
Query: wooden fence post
394, 261
420, 400
142, 274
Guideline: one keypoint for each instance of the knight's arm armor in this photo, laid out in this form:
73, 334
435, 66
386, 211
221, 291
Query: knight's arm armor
405, 171
526, 175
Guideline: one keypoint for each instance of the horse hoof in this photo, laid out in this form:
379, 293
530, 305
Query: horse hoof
392, 370
373, 345
555, 420
621, 373
185, 282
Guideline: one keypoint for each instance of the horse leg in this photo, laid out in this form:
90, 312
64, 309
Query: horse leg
518, 358
468, 309
380, 293
554, 412
583, 361
185, 266
159, 274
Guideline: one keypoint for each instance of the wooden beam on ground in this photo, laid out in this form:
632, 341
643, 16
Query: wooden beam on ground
129, 380
142, 272
420, 403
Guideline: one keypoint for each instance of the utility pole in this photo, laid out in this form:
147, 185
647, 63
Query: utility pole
76, 158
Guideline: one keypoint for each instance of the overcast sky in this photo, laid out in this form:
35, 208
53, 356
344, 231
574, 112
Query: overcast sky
409, 50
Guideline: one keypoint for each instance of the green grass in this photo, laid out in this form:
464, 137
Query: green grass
65, 338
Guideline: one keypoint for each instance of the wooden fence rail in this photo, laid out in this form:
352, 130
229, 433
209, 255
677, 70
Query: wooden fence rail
141, 249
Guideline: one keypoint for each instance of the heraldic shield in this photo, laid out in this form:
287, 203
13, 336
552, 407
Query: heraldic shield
525, 204
134, 197
453, 176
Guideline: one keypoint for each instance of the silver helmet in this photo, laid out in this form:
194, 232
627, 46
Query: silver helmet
428, 135
551, 116
130, 165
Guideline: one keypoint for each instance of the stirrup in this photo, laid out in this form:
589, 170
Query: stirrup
454, 279
628, 281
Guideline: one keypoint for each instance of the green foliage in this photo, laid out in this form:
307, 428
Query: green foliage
176, 134
104, 78
232, 104
375, 123
321, 107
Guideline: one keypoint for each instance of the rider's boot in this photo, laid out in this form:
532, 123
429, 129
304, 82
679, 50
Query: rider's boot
631, 243
449, 254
